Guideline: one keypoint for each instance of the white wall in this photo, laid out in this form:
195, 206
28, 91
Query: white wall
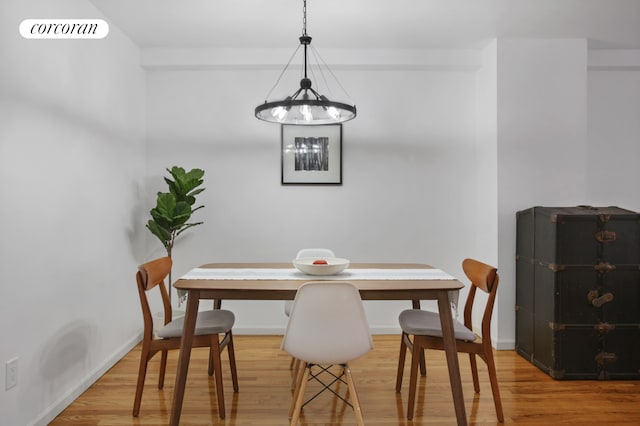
485, 203
409, 171
542, 125
72, 162
614, 129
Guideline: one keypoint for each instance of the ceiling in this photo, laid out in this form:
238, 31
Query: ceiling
372, 23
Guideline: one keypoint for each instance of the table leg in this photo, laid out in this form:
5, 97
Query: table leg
446, 322
191, 314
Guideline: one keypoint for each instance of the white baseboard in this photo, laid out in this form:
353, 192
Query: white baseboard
386, 330
269, 331
258, 331
57, 407
505, 345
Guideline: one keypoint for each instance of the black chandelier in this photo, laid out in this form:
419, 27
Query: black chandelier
305, 106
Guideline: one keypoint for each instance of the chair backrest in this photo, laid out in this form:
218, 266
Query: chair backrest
315, 252
150, 275
327, 324
484, 277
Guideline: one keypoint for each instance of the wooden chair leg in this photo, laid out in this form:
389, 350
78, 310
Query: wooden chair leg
353, 396
474, 372
163, 369
232, 362
296, 369
142, 374
493, 378
212, 355
401, 361
413, 376
297, 381
300, 396
217, 366
423, 363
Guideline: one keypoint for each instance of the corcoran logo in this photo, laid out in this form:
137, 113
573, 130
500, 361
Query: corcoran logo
64, 28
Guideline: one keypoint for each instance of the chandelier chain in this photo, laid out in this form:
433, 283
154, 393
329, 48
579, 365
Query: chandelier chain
304, 18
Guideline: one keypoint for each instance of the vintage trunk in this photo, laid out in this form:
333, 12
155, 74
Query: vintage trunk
578, 291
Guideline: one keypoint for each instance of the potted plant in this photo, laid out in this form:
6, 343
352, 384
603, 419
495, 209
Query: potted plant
170, 217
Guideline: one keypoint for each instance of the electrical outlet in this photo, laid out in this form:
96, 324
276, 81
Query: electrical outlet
11, 373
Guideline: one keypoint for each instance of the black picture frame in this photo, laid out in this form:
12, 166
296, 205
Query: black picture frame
311, 155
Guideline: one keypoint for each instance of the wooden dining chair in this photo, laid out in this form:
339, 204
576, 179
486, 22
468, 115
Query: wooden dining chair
427, 334
327, 326
209, 325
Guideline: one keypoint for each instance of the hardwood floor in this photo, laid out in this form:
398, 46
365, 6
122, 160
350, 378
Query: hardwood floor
528, 395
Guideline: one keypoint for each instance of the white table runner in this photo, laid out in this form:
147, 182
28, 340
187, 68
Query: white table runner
294, 274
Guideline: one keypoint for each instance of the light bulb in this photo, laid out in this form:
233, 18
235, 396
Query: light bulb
333, 113
306, 112
279, 113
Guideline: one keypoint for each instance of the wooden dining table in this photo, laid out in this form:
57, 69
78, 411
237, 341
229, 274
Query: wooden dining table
269, 288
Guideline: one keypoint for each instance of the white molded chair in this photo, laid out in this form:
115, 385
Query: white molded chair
315, 252
327, 325
320, 253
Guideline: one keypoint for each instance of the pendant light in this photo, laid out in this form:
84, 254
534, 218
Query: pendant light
305, 106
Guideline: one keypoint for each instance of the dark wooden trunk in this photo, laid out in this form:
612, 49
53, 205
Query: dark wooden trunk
578, 291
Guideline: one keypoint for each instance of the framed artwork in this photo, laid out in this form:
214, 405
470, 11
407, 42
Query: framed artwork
312, 154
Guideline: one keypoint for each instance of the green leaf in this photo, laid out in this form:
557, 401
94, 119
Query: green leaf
189, 199
184, 183
162, 221
181, 214
176, 171
195, 174
187, 226
166, 204
163, 235
174, 188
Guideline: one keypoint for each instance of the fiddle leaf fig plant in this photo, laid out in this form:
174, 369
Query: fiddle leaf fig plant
170, 217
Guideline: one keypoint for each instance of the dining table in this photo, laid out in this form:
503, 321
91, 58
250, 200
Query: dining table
280, 281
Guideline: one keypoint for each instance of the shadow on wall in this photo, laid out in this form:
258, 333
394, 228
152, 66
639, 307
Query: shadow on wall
136, 228
64, 357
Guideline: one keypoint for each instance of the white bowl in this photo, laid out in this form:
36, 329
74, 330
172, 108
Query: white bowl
334, 265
